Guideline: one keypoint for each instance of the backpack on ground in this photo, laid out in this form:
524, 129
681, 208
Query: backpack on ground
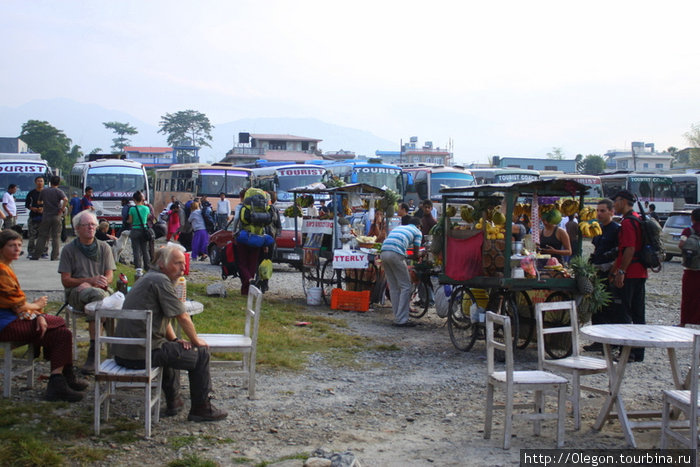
651, 255
691, 252
227, 258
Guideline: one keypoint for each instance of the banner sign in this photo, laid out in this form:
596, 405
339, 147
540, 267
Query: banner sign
350, 259
300, 172
313, 226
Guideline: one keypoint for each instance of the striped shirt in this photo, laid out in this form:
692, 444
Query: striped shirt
401, 238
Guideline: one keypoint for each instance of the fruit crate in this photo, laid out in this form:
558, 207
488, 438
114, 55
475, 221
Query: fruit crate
349, 301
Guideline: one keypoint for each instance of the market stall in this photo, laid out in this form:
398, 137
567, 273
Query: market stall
491, 271
336, 254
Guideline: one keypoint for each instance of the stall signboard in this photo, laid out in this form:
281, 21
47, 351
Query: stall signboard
313, 226
350, 259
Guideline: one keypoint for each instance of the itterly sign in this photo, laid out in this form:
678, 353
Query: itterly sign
349, 259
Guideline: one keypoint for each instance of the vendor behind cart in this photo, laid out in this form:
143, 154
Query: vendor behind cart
393, 255
553, 239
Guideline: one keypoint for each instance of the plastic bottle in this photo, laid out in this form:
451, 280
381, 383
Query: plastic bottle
123, 284
181, 289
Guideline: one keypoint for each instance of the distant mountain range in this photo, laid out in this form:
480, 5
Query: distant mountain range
82, 123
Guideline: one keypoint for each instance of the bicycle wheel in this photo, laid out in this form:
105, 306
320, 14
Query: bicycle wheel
557, 345
309, 278
420, 301
526, 318
329, 281
462, 331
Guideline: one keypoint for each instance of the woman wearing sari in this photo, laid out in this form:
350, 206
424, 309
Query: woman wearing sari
23, 322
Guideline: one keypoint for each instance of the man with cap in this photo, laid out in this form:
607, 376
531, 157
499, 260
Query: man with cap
628, 273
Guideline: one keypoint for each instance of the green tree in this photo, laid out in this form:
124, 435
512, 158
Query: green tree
593, 164
557, 154
187, 127
693, 138
120, 129
53, 145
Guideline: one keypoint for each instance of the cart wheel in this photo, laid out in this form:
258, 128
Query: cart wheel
526, 318
509, 309
329, 281
309, 278
420, 300
557, 345
462, 333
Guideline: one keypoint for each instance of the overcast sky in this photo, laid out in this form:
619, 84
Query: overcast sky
506, 77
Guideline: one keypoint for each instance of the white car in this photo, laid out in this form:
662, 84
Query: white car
671, 234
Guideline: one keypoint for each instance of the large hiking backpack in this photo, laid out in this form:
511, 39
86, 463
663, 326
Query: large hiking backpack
227, 256
255, 214
651, 255
691, 252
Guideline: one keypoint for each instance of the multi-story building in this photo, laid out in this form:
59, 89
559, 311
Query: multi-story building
411, 152
152, 157
642, 157
278, 148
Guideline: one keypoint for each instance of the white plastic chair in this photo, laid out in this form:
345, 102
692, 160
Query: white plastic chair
686, 401
245, 343
72, 321
7, 368
509, 380
575, 364
111, 373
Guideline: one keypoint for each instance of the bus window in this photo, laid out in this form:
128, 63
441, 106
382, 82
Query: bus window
662, 191
212, 182
643, 188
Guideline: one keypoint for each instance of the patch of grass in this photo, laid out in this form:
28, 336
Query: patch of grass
85, 455
193, 460
387, 347
23, 449
281, 344
176, 442
241, 460
300, 455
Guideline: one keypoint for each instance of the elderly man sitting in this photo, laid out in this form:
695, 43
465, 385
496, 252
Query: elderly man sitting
86, 269
155, 291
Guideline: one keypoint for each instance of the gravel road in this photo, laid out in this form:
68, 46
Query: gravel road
420, 404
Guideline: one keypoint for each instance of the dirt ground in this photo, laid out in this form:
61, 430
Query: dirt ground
417, 401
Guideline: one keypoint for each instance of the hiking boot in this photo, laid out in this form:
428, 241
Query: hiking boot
89, 367
206, 413
75, 383
58, 390
173, 407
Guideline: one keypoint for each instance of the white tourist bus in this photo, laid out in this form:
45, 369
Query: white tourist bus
111, 180
21, 169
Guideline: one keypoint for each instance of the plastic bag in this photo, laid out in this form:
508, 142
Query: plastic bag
113, 302
265, 269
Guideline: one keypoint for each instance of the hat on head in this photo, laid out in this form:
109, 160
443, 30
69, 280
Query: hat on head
625, 194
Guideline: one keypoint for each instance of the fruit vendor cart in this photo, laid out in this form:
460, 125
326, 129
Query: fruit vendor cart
487, 270
332, 256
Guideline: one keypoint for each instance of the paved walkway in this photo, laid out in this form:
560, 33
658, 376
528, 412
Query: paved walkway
38, 277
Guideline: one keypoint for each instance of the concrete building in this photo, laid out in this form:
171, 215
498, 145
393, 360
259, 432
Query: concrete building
154, 157
535, 163
412, 152
282, 148
13, 145
642, 157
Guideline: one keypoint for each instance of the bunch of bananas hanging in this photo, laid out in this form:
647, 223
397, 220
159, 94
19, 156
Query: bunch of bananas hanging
590, 229
586, 214
522, 209
546, 208
568, 207
451, 211
305, 201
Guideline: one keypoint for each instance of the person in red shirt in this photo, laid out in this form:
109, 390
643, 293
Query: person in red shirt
628, 273
690, 288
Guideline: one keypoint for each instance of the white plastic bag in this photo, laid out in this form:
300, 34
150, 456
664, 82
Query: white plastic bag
113, 302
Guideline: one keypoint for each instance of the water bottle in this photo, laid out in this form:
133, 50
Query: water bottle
181, 289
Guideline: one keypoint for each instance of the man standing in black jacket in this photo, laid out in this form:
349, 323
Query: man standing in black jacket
35, 210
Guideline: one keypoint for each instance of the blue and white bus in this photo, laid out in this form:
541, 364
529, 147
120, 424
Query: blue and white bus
384, 176
21, 169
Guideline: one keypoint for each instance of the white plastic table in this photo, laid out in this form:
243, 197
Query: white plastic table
193, 308
628, 336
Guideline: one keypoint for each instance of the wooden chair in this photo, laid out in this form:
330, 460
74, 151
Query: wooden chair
72, 321
109, 372
686, 401
8, 372
577, 365
245, 343
509, 380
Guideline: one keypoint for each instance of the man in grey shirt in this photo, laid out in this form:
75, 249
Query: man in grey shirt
155, 291
53, 200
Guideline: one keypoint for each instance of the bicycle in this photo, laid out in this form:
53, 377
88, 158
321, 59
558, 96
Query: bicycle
423, 294
464, 330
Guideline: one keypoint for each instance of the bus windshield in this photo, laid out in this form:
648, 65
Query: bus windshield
380, 177
651, 188
448, 180
115, 181
215, 181
294, 178
24, 182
